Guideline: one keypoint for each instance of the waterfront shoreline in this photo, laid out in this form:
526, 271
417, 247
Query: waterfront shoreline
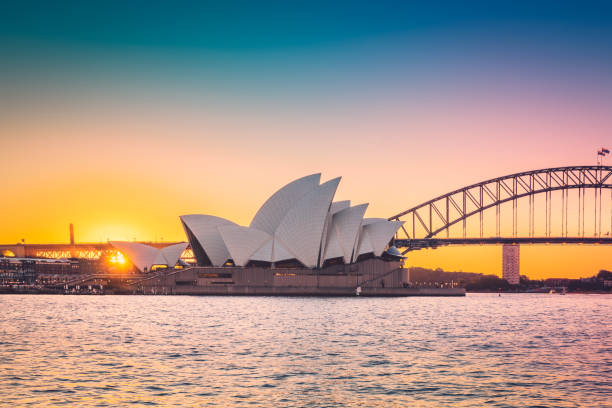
267, 292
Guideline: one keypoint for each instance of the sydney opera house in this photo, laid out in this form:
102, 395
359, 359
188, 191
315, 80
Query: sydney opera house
300, 242
298, 225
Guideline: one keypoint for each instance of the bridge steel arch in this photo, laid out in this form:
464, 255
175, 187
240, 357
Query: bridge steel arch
427, 220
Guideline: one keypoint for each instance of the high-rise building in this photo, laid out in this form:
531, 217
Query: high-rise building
511, 263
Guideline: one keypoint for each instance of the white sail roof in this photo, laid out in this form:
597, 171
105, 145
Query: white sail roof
272, 251
272, 212
365, 243
242, 242
143, 256
381, 233
204, 228
344, 231
264, 253
280, 252
334, 208
376, 234
301, 230
367, 221
338, 206
159, 259
173, 253
332, 247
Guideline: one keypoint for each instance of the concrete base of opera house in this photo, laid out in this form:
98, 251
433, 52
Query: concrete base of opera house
372, 277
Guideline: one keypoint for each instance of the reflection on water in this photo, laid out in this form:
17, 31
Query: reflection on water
514, 350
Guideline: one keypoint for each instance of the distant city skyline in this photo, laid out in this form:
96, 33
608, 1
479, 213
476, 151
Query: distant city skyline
120, 117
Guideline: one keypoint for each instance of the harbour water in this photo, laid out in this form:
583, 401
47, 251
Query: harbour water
480, 350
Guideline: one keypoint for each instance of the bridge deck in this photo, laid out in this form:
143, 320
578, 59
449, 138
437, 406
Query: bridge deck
415, 244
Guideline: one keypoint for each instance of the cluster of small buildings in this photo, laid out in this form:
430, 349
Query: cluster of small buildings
29, 271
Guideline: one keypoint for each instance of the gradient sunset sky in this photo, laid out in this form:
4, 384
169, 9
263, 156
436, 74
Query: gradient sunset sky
121, 116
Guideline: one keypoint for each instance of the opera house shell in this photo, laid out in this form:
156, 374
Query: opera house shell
298, 225
145, 257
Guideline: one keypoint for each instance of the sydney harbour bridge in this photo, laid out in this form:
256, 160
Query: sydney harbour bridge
561, 205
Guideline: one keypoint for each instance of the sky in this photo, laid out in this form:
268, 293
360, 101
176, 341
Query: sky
120, 117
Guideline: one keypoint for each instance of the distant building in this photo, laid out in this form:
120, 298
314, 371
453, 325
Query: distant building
511, 263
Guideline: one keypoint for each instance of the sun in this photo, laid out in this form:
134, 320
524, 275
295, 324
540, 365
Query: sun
118, 259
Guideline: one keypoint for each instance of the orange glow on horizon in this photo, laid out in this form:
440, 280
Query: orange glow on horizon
99, 173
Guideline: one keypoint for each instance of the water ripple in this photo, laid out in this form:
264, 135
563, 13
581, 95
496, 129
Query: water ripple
481, 350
